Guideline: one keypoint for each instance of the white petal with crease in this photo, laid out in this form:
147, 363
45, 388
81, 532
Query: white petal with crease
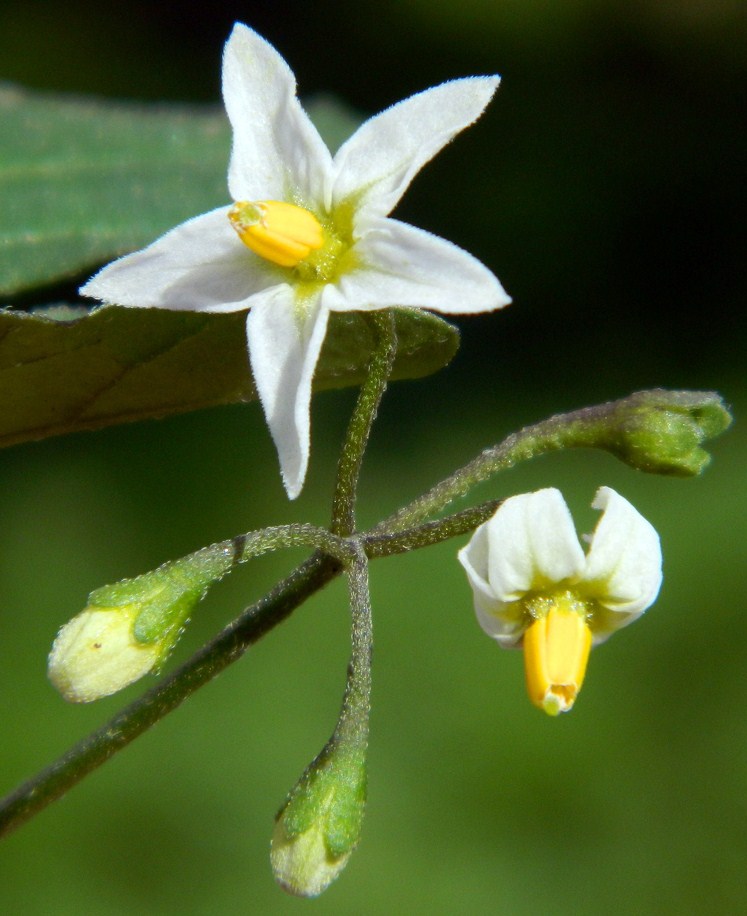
533, 543
502, 622
625, 555
411, 267
381, 158
276, 149
199, 266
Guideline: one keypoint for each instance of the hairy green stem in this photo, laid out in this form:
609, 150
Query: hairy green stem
219, 558
385, 544
588, 427
527, 443
359, 428
352, 726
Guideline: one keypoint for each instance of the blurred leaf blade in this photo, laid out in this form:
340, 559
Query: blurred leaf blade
116, 365
84, 181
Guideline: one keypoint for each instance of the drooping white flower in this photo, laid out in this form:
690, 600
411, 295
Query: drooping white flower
533, 584
315, 233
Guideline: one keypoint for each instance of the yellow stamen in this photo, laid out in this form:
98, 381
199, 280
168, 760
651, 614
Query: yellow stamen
277, 231
556, 650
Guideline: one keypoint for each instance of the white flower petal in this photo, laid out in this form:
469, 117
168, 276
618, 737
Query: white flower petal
381, 158
504, 622
623, 566
200, 265
284, 347
277, 152
533, 544
474, 559
405, 266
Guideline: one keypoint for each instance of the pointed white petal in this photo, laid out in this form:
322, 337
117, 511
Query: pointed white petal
504, 622
533, 544
276, 149
381, 158
623, 567
200, 265
284, 347
402, 265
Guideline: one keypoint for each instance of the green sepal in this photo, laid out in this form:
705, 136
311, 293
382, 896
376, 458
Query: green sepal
165, 597
332, 789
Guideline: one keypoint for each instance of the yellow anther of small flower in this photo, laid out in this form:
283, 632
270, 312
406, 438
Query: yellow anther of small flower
556, 650
278, 231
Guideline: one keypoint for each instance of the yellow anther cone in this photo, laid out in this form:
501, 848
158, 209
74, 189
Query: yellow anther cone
556, 650
278, 231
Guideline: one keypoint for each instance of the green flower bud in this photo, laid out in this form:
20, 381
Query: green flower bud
129, 628
661, 431
319, 826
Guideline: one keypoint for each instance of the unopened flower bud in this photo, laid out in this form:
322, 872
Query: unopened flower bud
662, 431
96, 654
129, 628
319, 826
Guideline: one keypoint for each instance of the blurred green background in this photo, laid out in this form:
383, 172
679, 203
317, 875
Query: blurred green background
605, 186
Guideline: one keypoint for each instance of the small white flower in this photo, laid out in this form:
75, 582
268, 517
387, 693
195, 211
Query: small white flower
533, 584
333, 250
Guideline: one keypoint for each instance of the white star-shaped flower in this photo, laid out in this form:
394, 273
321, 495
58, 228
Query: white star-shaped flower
533, 584
308, 233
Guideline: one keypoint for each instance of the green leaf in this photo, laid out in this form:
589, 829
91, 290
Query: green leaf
59, 375
83, 182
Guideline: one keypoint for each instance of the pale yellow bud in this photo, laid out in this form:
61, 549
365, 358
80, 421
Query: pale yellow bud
96, 654
556, 650
280, 232
302, 863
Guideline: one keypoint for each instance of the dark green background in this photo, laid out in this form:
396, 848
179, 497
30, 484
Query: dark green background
605, 186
